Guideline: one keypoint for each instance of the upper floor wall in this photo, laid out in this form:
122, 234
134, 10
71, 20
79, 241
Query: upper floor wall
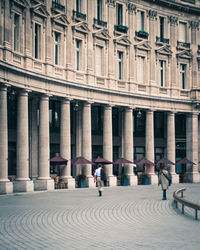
140, 47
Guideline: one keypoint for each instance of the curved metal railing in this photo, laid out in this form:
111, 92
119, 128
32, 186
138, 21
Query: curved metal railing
184, 202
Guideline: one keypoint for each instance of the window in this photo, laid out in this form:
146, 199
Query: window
183, 76
97, 120
159, 124
180, 125
119, 13
139, 125
140, 20
140, 70
57, 46
182, 32
162, 28
139, 152
115, 119
37, 40
78, 5
16, 32
99, 10
120, 65
78, 54
98, 61
54, 116
162, 73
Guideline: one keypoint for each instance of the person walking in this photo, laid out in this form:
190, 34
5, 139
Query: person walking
99, 177
164, 179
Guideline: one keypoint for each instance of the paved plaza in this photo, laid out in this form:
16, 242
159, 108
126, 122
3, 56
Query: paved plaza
123, 218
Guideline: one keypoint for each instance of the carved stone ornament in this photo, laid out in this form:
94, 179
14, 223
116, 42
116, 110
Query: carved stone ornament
131, 7
111, 2
173, 20
194, 24
152, 14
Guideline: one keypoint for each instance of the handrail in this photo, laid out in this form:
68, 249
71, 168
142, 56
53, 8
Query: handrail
185, 202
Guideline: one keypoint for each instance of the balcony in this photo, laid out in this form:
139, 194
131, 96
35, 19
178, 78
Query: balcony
183, 44
121, 28
58, 6
162, 40
79, 15
100, 22
142, 34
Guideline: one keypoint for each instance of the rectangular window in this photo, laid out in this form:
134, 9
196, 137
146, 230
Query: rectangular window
162, 27
183, 76
78, 54
140, 20
37, 40
140, 70
159, 124
78, 6
16, 32
57, 48
119, 13
98, 61
162, 73
99, 10
120, 65
182, 32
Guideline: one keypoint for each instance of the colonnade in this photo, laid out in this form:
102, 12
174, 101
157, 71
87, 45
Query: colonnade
44, 181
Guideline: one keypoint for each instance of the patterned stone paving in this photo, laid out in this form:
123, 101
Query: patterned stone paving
123, 218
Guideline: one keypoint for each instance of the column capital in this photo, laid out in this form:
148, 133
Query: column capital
129, 108
171, 112
4, 86
66, 100
150, 110
87, 103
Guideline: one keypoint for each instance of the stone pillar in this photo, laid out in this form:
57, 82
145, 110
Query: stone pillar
22, 182
108, 144
5, 185
199, 142
78, 168
128, 145
65, 143
171, 145
87, 142
44, 182
149, 145
192, 147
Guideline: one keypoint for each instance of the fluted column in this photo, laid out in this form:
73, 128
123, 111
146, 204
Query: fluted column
192, 147
5, 185
149, 144
128, 144
65, 142
44, 181
171, 145
108, 143
22, 182
87, 142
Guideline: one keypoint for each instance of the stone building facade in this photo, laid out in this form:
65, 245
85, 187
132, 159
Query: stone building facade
99, 77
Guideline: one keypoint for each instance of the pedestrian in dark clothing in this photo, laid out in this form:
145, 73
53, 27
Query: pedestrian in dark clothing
164, 177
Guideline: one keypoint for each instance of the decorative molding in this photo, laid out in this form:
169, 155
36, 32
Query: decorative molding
131, 7
152, 14
164, 50
143, 45
173, 20
193, 24
111, 2
21, 3
122, 40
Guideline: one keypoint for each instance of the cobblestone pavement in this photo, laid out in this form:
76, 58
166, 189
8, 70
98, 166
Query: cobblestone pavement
123, 218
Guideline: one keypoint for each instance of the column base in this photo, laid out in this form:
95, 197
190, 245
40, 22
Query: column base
90, 182
6, 187
193, 177
23, 186
69, 180
175, 178
112, 181
153, 179
133, 180
47, 184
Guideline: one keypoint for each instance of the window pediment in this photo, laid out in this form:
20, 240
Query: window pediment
81, 27
60, 19
40, 10
164, 50
185, 54
122, 40
143, 45
102, 34
22, 3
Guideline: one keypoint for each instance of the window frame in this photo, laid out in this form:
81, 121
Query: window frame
16, 44
119, 14
120, 59
78, 54
162, 73
37, 45
183, 75
57, 48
